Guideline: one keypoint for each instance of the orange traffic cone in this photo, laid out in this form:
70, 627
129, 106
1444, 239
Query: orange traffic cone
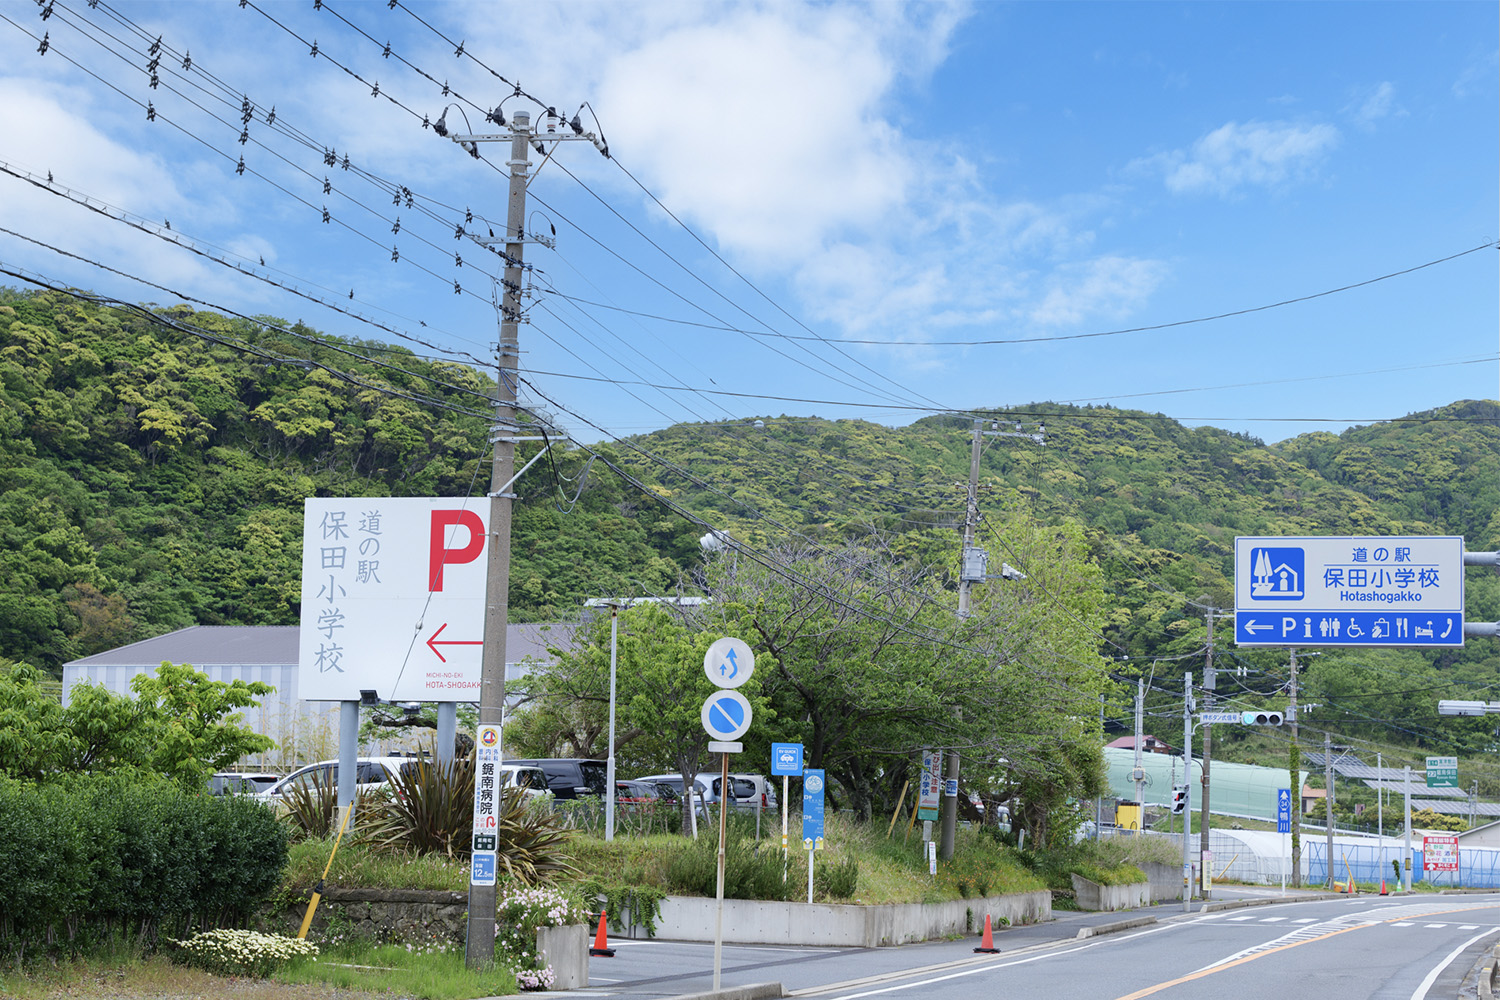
1383, 891
601, 941
987, 943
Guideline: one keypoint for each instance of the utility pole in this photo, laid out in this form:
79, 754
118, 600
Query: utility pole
480, 943
1294, 771
1140, 771
1210, 681
968, 575
1187, 783
1328, 799
973, 568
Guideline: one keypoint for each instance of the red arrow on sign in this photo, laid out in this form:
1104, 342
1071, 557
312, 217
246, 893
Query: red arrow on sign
433, 644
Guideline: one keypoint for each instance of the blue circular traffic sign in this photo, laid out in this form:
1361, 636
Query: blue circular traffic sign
726, 715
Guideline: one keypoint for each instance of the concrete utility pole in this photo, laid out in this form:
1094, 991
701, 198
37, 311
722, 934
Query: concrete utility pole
973, 568
1294, 770
480, 944
966, 579
1187, 783
1328, 799
1210, 681
1140, 765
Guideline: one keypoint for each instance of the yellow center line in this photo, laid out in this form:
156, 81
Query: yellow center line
1190, 977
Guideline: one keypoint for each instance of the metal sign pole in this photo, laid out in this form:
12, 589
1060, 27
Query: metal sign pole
724, 795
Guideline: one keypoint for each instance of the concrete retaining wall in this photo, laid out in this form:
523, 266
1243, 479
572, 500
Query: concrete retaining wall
405, 915
1165, 880
1093, 896
691, 918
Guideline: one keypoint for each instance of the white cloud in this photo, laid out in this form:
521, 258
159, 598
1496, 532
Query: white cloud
1235, 155
1373, 104
1106, 287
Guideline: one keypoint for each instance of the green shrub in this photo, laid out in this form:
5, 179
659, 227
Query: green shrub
838, 879
751, 870
84, 858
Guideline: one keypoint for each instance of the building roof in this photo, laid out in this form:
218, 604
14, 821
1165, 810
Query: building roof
1451, 807
1148, 742
1347, 765
275, 645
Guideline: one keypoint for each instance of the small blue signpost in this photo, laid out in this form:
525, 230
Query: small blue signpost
812, 819
1283, 810
786, 759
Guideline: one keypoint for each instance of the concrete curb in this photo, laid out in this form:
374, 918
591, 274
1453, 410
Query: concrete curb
1117, 926
1486, 979
755, 991
1239, 904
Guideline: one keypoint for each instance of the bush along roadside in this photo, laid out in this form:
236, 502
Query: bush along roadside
88, 859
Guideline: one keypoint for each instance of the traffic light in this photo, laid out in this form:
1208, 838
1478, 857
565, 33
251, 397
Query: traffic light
1261, 718
1179, 798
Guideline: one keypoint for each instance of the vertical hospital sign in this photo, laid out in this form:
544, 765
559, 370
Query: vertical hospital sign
392, 598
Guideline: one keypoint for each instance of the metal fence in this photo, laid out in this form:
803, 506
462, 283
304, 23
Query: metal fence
1258, 860
1478, 867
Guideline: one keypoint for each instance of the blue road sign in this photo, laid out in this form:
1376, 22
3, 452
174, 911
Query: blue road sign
786, 758
1283, 810
482, 868
726, 715
728, 662
1349, 591
812, 808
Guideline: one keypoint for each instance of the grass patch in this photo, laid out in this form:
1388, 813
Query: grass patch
125, 975
434, 974
357, 866
857, 855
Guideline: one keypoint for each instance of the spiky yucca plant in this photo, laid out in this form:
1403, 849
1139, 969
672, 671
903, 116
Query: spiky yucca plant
431, 811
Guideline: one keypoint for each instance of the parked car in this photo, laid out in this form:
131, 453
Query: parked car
372, 774
531, 780
636, 792
240, 782
570, 777
745, 794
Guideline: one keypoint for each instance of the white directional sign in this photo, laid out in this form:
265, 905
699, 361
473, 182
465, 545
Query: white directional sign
1349, 591
1209, 718
392, 598
729, 662
726, 715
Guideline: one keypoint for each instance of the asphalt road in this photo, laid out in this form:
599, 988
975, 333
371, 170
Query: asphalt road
1366, 948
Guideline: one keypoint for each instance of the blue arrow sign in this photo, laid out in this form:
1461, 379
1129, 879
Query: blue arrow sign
1283, 810
730, 670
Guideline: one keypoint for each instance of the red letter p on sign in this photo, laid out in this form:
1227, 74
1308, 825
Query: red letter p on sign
441, 554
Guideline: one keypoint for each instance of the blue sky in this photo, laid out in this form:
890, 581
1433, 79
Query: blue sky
893, 184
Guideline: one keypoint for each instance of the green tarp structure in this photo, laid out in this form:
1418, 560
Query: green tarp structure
1246, 790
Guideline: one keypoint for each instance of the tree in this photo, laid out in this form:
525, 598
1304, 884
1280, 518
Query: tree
660, 689
180, 724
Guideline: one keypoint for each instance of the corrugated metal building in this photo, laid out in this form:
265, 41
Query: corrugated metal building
303, 730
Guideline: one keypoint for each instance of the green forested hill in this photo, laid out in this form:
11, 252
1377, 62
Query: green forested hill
152, 472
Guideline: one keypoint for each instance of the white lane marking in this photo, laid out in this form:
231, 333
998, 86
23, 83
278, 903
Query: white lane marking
1238, 919
1305, 920
1420, 993
601, 979
1405, 923
1434, 925
1272, 920
1468, 927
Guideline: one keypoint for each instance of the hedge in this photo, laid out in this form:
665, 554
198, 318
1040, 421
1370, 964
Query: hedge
83, 858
